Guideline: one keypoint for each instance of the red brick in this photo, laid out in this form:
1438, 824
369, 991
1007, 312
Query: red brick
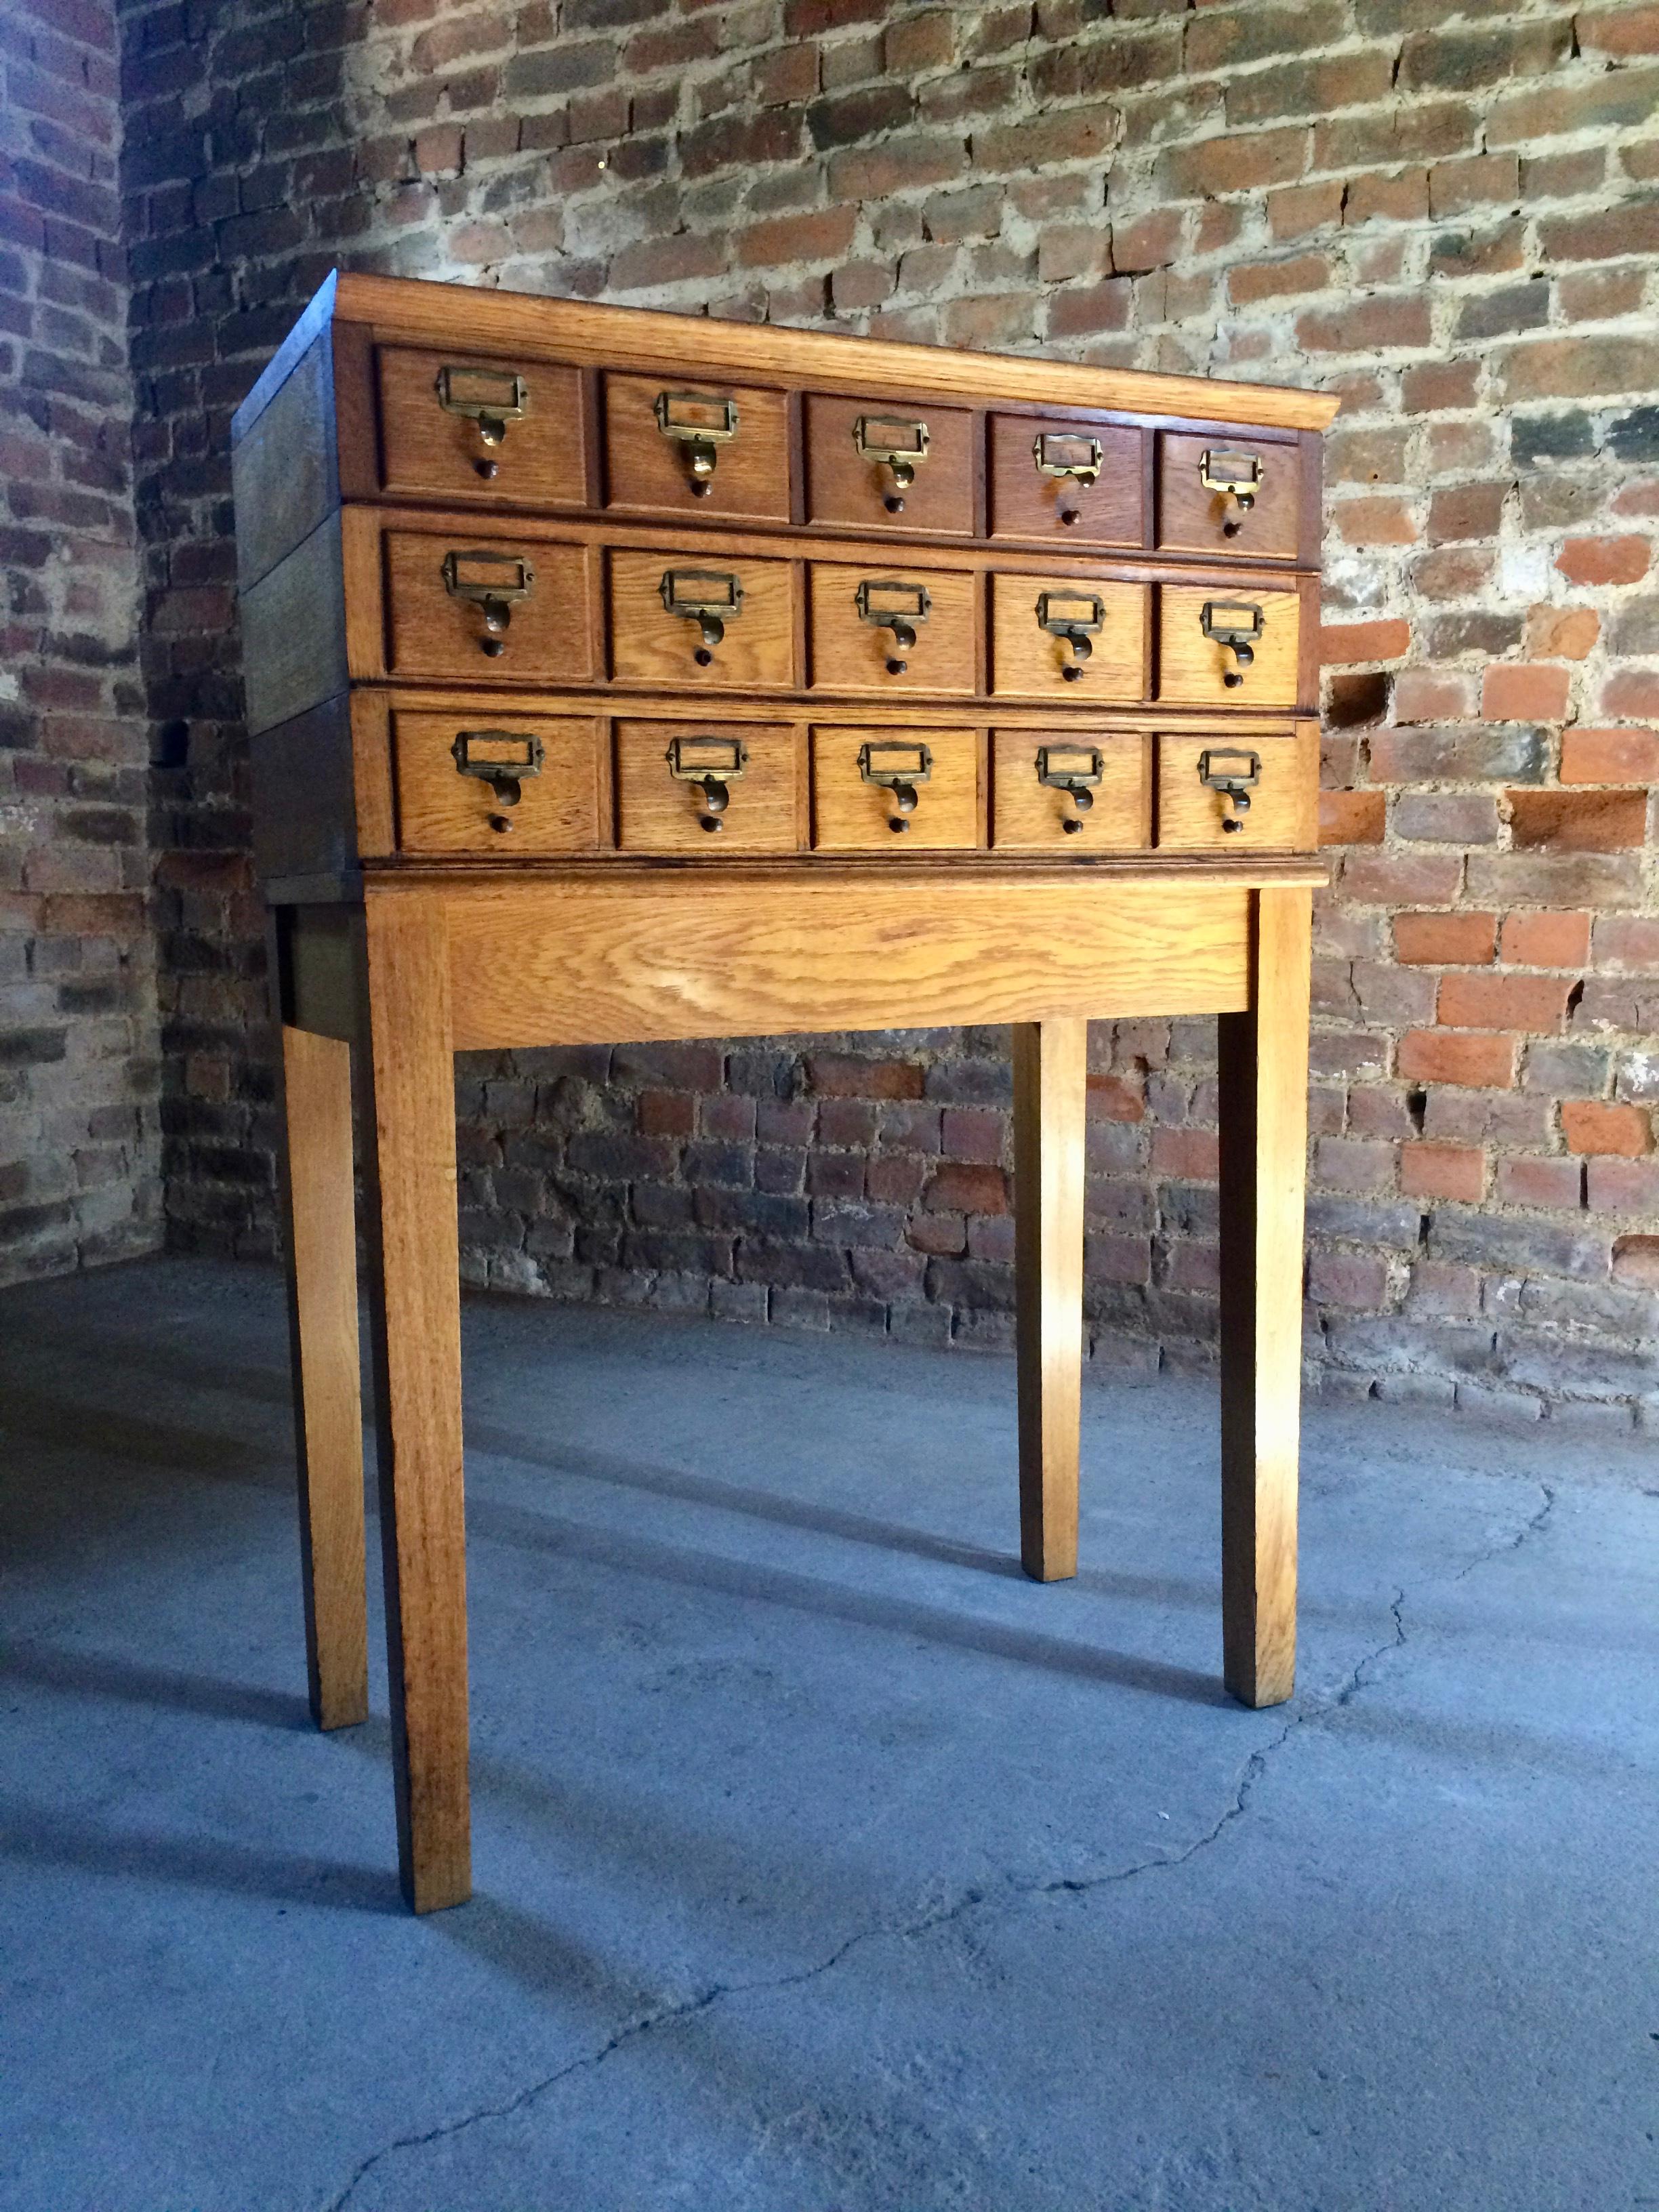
1430, 387
1451, 1171
1381, 519
1545, 940
1524, 692
1610, 756
1355, 1279
1604, 560
1351, 817
1367, 326
1432, 694
1466, 510
1636, 1261
1591, 1125
1191, 1155
955, 1187
1152, 241
1297, 210
1627, 940
1562, 633
1084, 310
1527, 1181
1444, 940
1274, 280
1401, 197
1482, 1062
1632, 691
1578, 821
1618, 33
822, 234
1343, 645
1240, 161
1533, 1003
1579, 368
1477, 180
848, 1075
1629, 1188
1117, 1098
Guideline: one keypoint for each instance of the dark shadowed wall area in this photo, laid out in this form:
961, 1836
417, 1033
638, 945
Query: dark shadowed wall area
1450, 215
80, 1164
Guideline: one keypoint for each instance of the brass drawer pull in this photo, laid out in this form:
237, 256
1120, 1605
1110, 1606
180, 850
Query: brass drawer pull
492, 398
493, 581
711, 598
896, 443
1075, 617
710, 764
1232, 476
1234, 773
701, 422
898, 769
1075, 769
1074, 461
887, 603
503, 759
1237, 626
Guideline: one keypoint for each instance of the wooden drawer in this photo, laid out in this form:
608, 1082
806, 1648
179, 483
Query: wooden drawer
855, 811
723, 788
892, 628
702, 621
847, 481
707, 449
1198, 664
508, 785
1197, 514
508, 610
1067, 637
457, 426
1279, 775
1064, 789
1053, 477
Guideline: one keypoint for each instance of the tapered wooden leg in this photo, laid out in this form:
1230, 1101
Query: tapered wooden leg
1264, 1144
321, 1244
1050, 1095
416, 1301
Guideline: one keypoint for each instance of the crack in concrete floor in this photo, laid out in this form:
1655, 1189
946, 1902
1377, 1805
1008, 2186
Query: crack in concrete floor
1012, 1895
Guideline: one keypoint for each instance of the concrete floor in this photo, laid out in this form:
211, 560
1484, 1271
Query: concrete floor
822, 1861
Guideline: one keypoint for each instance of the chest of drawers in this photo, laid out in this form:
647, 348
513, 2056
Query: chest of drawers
614, 676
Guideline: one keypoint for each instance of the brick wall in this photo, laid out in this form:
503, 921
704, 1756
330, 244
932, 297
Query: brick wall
79, 1165
1450, 215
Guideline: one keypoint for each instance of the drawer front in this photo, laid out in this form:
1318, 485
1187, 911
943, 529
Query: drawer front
1054, 478
514, 610
454, 425
884, 465
1064, 790
892, 628
724, 787
1220, 648
710, 450
506, 784
1202, 780
880, 790
1065, 637
1220, 494
701, 621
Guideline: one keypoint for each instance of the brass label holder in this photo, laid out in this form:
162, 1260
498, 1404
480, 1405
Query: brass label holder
898, 769
1232, 476
1075, 618
711, 598
491, 397
887, 603
1233, 772
1237, 626
494, 581
701, 422
710, 765
1076, 770
504, 759
1073, 459
896, 443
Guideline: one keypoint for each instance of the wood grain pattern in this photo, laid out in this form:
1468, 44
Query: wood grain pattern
428, 451
321, 1242
650, 646
434, 633
372, 789
440, 809
709, 953
283, 475
1028, 661
1028, 815
647, 472
1025, 503
293, 651
852, 816
842, 486
850, 654
1263, 1115
1051, 1060
1191, 519
1193, 669
1284, 810
415, 1304
578, 329
658, 812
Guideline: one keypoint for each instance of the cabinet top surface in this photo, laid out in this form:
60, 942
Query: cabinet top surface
487, 320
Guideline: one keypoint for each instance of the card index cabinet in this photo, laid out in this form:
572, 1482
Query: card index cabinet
614, 676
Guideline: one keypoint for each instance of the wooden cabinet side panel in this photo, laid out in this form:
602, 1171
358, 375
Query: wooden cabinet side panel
294, 646
283, 473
